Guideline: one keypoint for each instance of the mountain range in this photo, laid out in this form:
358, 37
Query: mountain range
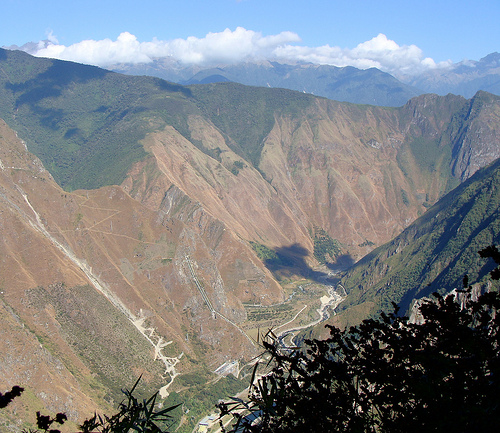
349, 84
153, 228
464, 78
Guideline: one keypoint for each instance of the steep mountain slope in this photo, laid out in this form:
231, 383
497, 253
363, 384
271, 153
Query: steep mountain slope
173, 199
96, 290
361, 173
436, 251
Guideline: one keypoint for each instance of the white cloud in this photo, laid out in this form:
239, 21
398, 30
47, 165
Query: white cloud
379, 52
51, 38
101, 53
227, 46
222, 47
239, 45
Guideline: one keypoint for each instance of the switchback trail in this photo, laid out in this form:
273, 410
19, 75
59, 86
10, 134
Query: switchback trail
149, 334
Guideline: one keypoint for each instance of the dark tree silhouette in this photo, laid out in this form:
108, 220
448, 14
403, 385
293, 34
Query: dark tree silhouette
387, 375
134, 415
7, 398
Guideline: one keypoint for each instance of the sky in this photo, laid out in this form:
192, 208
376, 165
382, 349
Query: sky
402, 36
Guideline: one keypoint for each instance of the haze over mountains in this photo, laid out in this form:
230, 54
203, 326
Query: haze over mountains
464, 78
149, 227
370, 86
362, 86
411, 74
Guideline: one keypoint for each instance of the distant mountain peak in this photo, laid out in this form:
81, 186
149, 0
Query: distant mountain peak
492, 59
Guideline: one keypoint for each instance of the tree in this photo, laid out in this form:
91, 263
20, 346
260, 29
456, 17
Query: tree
133, 415
387, 375
7, 398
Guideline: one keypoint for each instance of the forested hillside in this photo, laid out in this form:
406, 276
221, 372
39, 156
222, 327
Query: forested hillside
435, 252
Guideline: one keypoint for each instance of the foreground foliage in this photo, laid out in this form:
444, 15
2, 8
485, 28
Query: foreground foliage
387, 375
133, 415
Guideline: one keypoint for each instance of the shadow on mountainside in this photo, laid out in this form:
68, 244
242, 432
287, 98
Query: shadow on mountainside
291, 261
51, 82
341, 263
173, 87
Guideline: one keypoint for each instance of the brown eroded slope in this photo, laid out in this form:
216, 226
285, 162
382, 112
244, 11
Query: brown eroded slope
361, 173
134, 278
96, 290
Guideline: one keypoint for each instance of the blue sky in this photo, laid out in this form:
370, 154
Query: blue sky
430, 30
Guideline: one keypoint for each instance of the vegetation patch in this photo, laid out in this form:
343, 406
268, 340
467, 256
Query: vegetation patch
204, 392
326, 249
102, 337
271, 258
237, 166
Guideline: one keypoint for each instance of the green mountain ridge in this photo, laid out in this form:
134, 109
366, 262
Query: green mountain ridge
86, 116
435, 252
77, 118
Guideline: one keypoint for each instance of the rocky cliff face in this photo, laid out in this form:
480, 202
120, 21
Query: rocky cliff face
361, 173
475, 140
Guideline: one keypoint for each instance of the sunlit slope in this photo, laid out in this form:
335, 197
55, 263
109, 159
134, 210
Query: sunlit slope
436, 251
158, 186
358, 172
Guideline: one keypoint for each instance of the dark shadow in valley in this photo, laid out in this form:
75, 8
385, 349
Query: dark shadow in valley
173, 87
291, 261
341, 263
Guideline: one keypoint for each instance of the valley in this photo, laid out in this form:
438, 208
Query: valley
158, 231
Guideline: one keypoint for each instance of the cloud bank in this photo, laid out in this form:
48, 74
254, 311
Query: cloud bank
242, 45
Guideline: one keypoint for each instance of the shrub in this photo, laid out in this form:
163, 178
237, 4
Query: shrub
132, 416
387, 374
